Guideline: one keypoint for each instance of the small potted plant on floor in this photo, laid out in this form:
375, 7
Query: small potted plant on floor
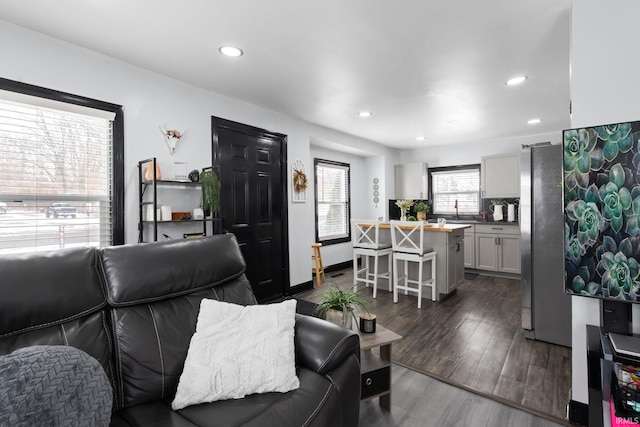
337, 305
421, 209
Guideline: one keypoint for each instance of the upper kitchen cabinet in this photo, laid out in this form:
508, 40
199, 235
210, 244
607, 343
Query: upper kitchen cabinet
411, 181
500, 176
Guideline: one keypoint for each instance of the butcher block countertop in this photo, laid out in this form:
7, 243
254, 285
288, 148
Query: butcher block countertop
447, 228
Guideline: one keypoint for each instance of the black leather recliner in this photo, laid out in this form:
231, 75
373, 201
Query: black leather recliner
134, 308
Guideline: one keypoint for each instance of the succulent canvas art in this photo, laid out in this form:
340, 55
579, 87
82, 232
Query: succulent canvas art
602, 203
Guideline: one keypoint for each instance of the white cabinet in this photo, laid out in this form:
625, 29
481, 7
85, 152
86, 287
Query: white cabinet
500, 176
509, 254
469, 247
411, 181
497, 248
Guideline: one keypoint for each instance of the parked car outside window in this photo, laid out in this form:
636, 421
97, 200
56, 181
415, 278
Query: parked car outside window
60, 210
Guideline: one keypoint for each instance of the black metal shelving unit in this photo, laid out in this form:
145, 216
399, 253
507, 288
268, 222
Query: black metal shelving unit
152, 185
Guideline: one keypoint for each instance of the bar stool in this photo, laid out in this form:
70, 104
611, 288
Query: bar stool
407, 238
368, 242
318, 266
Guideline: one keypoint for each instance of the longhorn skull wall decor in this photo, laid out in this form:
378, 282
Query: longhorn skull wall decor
171, 137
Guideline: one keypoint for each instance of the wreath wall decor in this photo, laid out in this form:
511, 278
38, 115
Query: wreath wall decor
300, 182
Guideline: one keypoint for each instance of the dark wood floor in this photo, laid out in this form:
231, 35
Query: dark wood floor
420, 401
473, 339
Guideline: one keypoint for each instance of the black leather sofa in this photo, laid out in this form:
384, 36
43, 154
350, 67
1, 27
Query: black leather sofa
134, 309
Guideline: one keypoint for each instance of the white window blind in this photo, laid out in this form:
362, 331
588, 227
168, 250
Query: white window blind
332, 195
461, 186
56, 171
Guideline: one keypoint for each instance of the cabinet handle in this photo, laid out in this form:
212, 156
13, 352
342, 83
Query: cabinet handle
495, 240
496, 228
498, 240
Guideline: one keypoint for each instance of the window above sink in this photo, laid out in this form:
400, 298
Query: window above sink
455, 190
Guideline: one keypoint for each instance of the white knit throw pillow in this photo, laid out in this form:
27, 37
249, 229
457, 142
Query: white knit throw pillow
237, 351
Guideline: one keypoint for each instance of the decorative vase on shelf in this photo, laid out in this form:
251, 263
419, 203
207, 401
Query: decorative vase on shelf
403, 215
148, 174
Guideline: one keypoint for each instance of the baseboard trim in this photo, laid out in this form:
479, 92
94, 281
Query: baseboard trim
513, 276
340, 266
307, 286
578, 412
302, 287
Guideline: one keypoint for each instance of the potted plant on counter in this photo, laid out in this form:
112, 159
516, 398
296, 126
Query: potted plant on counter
421, 209
337, 305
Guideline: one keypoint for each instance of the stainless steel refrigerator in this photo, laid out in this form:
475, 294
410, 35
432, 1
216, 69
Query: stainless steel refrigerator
546, 309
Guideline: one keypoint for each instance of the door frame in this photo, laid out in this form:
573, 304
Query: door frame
216, 124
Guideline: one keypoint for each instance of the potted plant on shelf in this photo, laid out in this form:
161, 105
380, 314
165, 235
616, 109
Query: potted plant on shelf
210, 191
421, 209
337, 305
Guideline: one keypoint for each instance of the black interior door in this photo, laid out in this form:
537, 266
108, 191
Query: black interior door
252, 167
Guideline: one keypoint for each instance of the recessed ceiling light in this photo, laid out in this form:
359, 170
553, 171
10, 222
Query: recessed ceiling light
364, 114
420, 138
230, 51
516, 80
534, 121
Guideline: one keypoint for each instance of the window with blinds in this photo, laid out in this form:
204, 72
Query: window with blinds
56, 171
332, 201
458, 186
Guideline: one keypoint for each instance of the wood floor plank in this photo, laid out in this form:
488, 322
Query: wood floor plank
516, 365
510, 389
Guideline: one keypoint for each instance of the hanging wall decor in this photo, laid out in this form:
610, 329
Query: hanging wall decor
172, 137
376, 192
602, 211
300, 182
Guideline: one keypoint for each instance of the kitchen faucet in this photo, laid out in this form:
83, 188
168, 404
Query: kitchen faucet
456, 206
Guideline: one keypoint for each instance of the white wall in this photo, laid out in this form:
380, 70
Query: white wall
149, 100
604, 89
471, 152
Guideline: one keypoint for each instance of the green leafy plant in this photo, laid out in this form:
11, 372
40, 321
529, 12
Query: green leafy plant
421, 207
210, 191
344, 300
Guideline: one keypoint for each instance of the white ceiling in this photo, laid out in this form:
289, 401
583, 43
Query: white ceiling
422, 67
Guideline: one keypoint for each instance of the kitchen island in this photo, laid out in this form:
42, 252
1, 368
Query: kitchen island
448, 242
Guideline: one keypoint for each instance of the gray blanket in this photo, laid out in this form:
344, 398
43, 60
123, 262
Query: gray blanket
53, 386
